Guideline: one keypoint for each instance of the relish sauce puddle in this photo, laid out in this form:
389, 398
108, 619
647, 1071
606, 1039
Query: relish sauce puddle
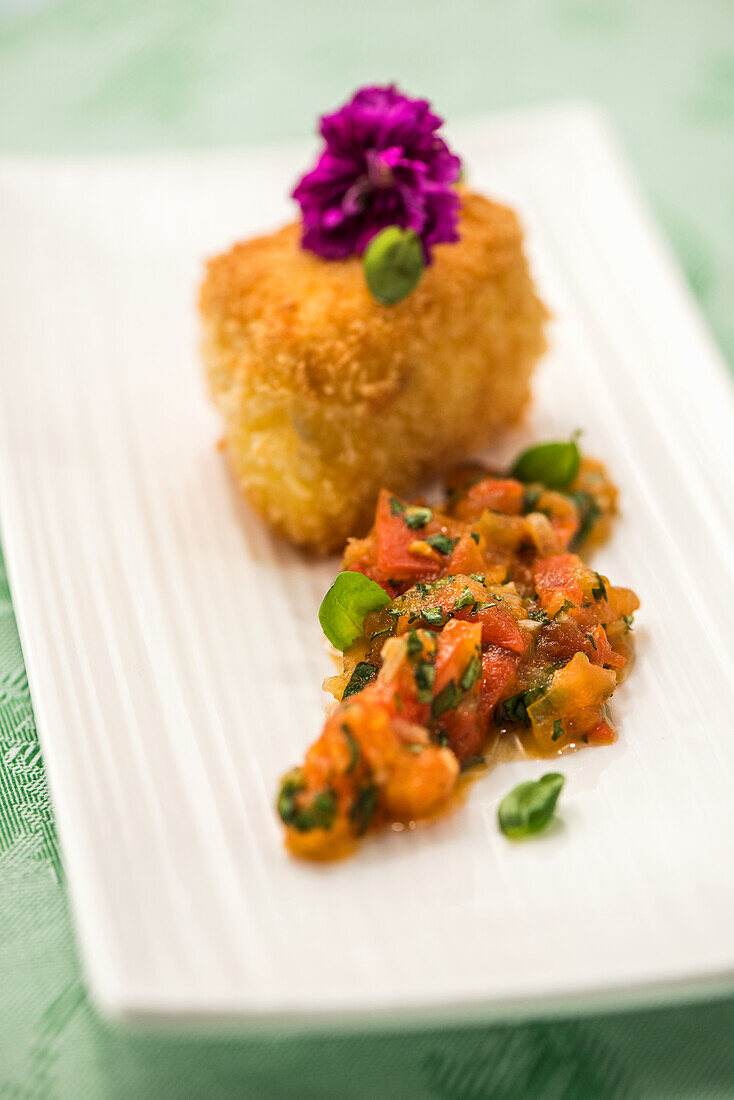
471, 633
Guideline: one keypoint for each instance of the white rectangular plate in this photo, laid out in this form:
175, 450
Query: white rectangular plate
175, 657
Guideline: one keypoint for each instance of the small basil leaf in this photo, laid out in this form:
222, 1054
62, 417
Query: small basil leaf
529, 807
344, 607
553, 464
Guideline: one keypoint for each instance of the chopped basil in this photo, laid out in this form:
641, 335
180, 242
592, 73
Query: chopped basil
447, 699
589, 511
568, 605
480, 577
432, 615
600, 592
396, 507
379, 633
363, 808
531, 494
414, 644
553, 464
591, 639
475, 536
416, 517
318, 815
628, 620
353, 748
424, 674
538, 616
557, 730
441, 738
470, 674
344, 607
364, 673
466, 599
529, 807
442, 543
291, 784
515, 709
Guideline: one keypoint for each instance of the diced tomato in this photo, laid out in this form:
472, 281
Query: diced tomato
458, 642
559, 578
499, 667
466, 557
493, 494
604, 654
500, 629
394, 538
602, 733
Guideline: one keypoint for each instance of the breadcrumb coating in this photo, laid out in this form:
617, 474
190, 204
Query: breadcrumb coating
328, 396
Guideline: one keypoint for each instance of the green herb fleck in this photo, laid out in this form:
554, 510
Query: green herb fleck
424, 674
591, 639
442, 543
470, 675
529, 807
629, 619
568, 605
557, 730
589, 512
363, 808
396, 507
364, 673
466, 599
318, 815
432, 615
416, 517
515, 709
600, 592
531, 494
353, 748
447, 699
475, 536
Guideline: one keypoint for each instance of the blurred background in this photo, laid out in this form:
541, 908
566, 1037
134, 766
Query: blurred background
81, 76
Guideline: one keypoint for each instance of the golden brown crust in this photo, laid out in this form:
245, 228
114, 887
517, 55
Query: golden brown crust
327, 395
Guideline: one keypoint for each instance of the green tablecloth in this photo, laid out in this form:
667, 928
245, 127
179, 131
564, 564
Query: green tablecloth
87, 76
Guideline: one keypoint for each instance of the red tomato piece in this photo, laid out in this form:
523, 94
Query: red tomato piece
394, 537
500, 629
466, 557
559, 578
499, 667
493, 494
458, 642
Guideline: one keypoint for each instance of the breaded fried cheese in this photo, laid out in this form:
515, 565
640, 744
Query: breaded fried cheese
327, 395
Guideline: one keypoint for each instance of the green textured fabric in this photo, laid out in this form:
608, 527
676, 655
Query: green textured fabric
99, 76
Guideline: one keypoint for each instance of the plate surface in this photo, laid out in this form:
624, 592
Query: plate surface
174, 652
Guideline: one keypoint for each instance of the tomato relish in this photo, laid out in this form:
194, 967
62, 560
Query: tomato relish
495, 628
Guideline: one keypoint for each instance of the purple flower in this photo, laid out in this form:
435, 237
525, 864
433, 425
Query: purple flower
384, 164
